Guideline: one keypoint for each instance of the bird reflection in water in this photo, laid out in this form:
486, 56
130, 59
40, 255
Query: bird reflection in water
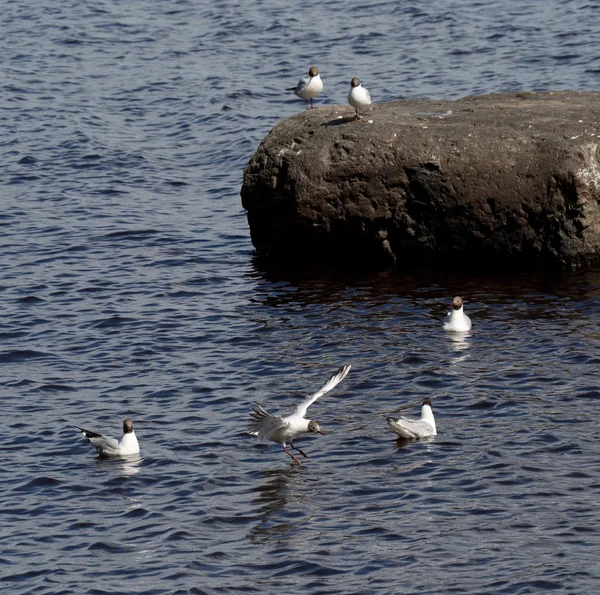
277, 490
405, 442
130, 464
459, 341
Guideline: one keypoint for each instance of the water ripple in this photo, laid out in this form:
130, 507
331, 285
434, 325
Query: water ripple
130, 289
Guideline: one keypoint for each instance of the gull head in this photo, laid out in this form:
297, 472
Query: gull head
355, 82
313, 71
127, 426
428, 403
457, 303
313, 428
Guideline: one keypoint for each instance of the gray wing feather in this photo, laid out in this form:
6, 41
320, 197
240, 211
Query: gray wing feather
263, 423
103, 444
331, 383
302, 84
410, 428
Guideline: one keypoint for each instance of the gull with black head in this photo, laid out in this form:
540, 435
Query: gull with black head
456, 320
284, 429
358, 97
308, 86
111, 447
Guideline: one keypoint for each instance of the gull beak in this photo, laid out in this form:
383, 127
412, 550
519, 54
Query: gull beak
319, 432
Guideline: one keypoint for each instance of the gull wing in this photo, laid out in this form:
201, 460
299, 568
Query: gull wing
103, 444
303, 83
331, 383
410, 428
263, 423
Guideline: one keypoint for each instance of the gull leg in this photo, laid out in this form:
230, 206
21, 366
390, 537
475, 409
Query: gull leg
287, 452
306, 102
300, 451
311, 104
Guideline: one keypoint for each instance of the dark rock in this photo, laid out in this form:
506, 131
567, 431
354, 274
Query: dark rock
511, 178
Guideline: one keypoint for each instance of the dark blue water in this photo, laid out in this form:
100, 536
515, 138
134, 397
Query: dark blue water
129, 288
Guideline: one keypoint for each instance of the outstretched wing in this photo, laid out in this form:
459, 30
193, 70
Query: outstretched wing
263, 423
331, 383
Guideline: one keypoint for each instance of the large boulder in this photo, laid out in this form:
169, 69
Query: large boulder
502, 179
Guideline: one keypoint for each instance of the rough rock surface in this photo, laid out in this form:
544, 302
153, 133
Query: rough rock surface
508, 178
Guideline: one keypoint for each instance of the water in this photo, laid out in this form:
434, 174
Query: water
129, 288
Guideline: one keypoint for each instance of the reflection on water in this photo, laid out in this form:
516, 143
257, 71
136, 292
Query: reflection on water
274, 491
277, 491
132, 288
405, 442
459, 341
131, 465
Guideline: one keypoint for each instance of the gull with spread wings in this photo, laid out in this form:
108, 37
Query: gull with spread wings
284, 429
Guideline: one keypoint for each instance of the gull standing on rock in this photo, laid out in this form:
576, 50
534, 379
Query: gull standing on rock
308, 86
358, 97
283, 429
111, 447
412, 428
456, 320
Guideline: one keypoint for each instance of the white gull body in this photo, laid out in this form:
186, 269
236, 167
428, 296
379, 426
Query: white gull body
111, 447
358, 97
308, 86
413, 428
284, 429
456, 320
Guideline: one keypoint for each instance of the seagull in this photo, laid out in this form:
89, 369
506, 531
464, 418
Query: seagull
456, 320
308, 86
110, 447
358, 97
283, 429
412, 428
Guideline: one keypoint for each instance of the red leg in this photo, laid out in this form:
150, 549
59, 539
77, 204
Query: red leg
300, 451
287, 452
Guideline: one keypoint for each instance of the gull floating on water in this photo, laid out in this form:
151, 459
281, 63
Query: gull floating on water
111, 447
283, 429
358, 97
308, 86
413, 428
456, 320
